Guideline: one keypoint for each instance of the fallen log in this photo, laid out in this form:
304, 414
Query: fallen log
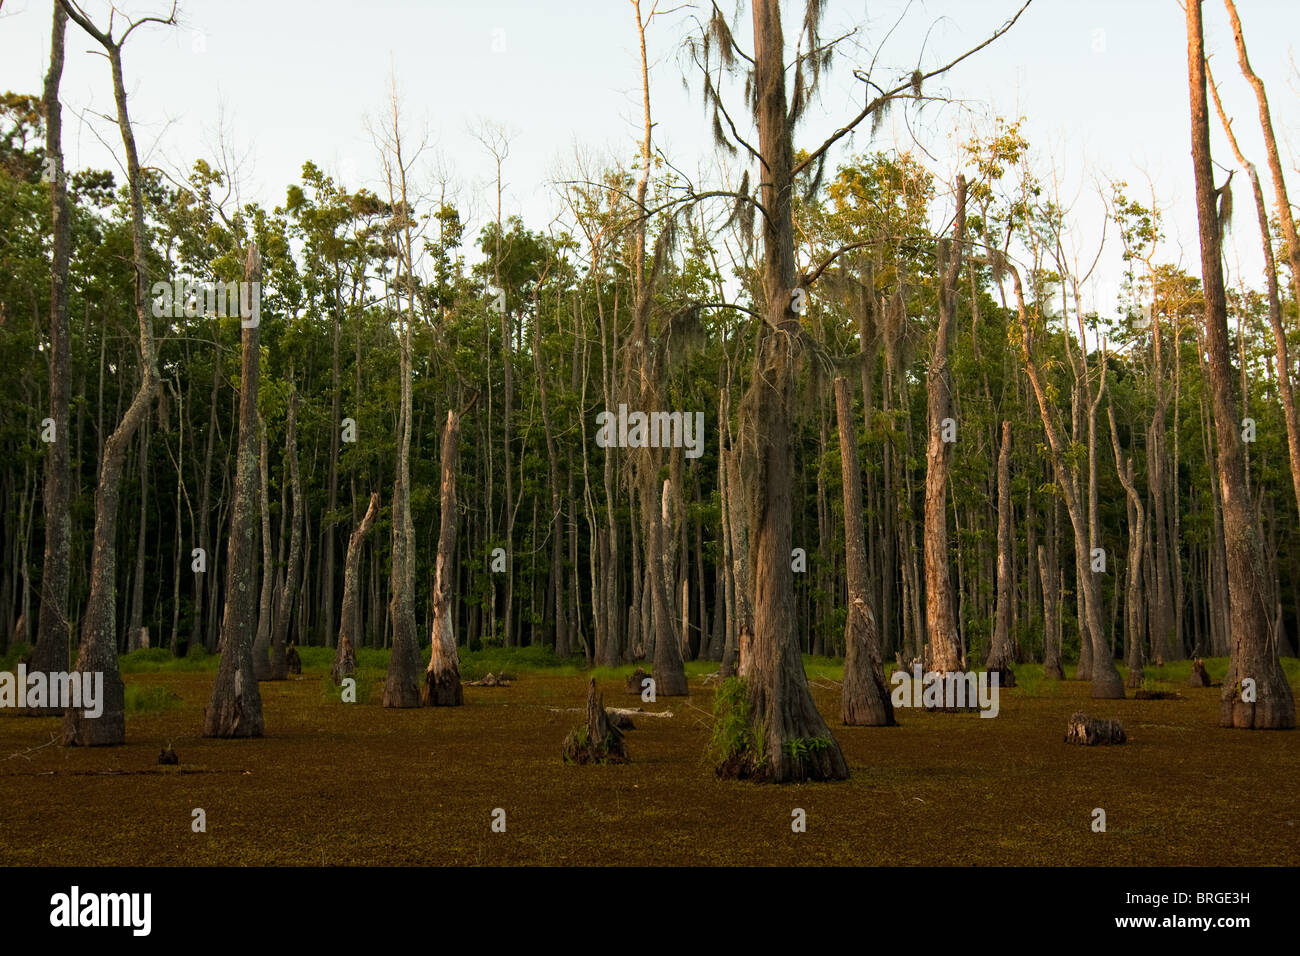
489, 680
1093, 731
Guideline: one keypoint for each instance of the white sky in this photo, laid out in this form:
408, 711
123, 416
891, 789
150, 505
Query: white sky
1103, 84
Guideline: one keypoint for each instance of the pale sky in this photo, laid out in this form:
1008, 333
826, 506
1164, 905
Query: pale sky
1103, 84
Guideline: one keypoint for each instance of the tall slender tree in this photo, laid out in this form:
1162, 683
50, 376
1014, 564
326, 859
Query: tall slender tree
98, 649
235, 705
51, 651
864, 700
1256, 694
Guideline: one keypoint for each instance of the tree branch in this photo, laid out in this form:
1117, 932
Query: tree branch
879, 101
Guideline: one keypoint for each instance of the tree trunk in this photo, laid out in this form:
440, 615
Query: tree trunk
1285, 394
50, 654
1253, 645
1284, 215
742, 570
327, 525
1133, 610
402, 685
235, 706
1000, 653
1051, 618
98, 648
201, 636
940, 617
262, 646
279, 668
669, 671
133, 637
442, 679
798, 744
1105, 678
865, 700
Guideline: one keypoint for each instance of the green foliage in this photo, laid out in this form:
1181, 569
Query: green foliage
734, 737
801, 748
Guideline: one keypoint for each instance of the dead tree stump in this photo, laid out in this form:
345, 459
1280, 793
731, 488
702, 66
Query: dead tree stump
600, 741
634, 685
1199, 676
292, 660
1092, 731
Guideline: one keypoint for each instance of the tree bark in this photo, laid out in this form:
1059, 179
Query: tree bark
350, 618
442, 679
1051, 618
134, 637
262, 645
669, 671
279, 668
98, 648
51, 651
1285, 395
1000, 653
235, 706
780, 702
940, 617
1133, 610
1285, 218
865, 700
1253, 645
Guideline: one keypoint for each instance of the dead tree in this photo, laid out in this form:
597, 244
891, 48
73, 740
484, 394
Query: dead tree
600, 741
1285, 394
442, 679
402, 682
345, 657
98, 648
864, 700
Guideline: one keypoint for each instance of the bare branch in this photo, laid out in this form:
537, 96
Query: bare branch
900, 89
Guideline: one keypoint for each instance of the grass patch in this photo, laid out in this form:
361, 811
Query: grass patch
828, 668
370, 685
160, 660
151, 699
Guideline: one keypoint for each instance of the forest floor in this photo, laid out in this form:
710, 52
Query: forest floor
340, 783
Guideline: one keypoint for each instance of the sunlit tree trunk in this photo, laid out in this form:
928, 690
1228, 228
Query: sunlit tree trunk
1253, 645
